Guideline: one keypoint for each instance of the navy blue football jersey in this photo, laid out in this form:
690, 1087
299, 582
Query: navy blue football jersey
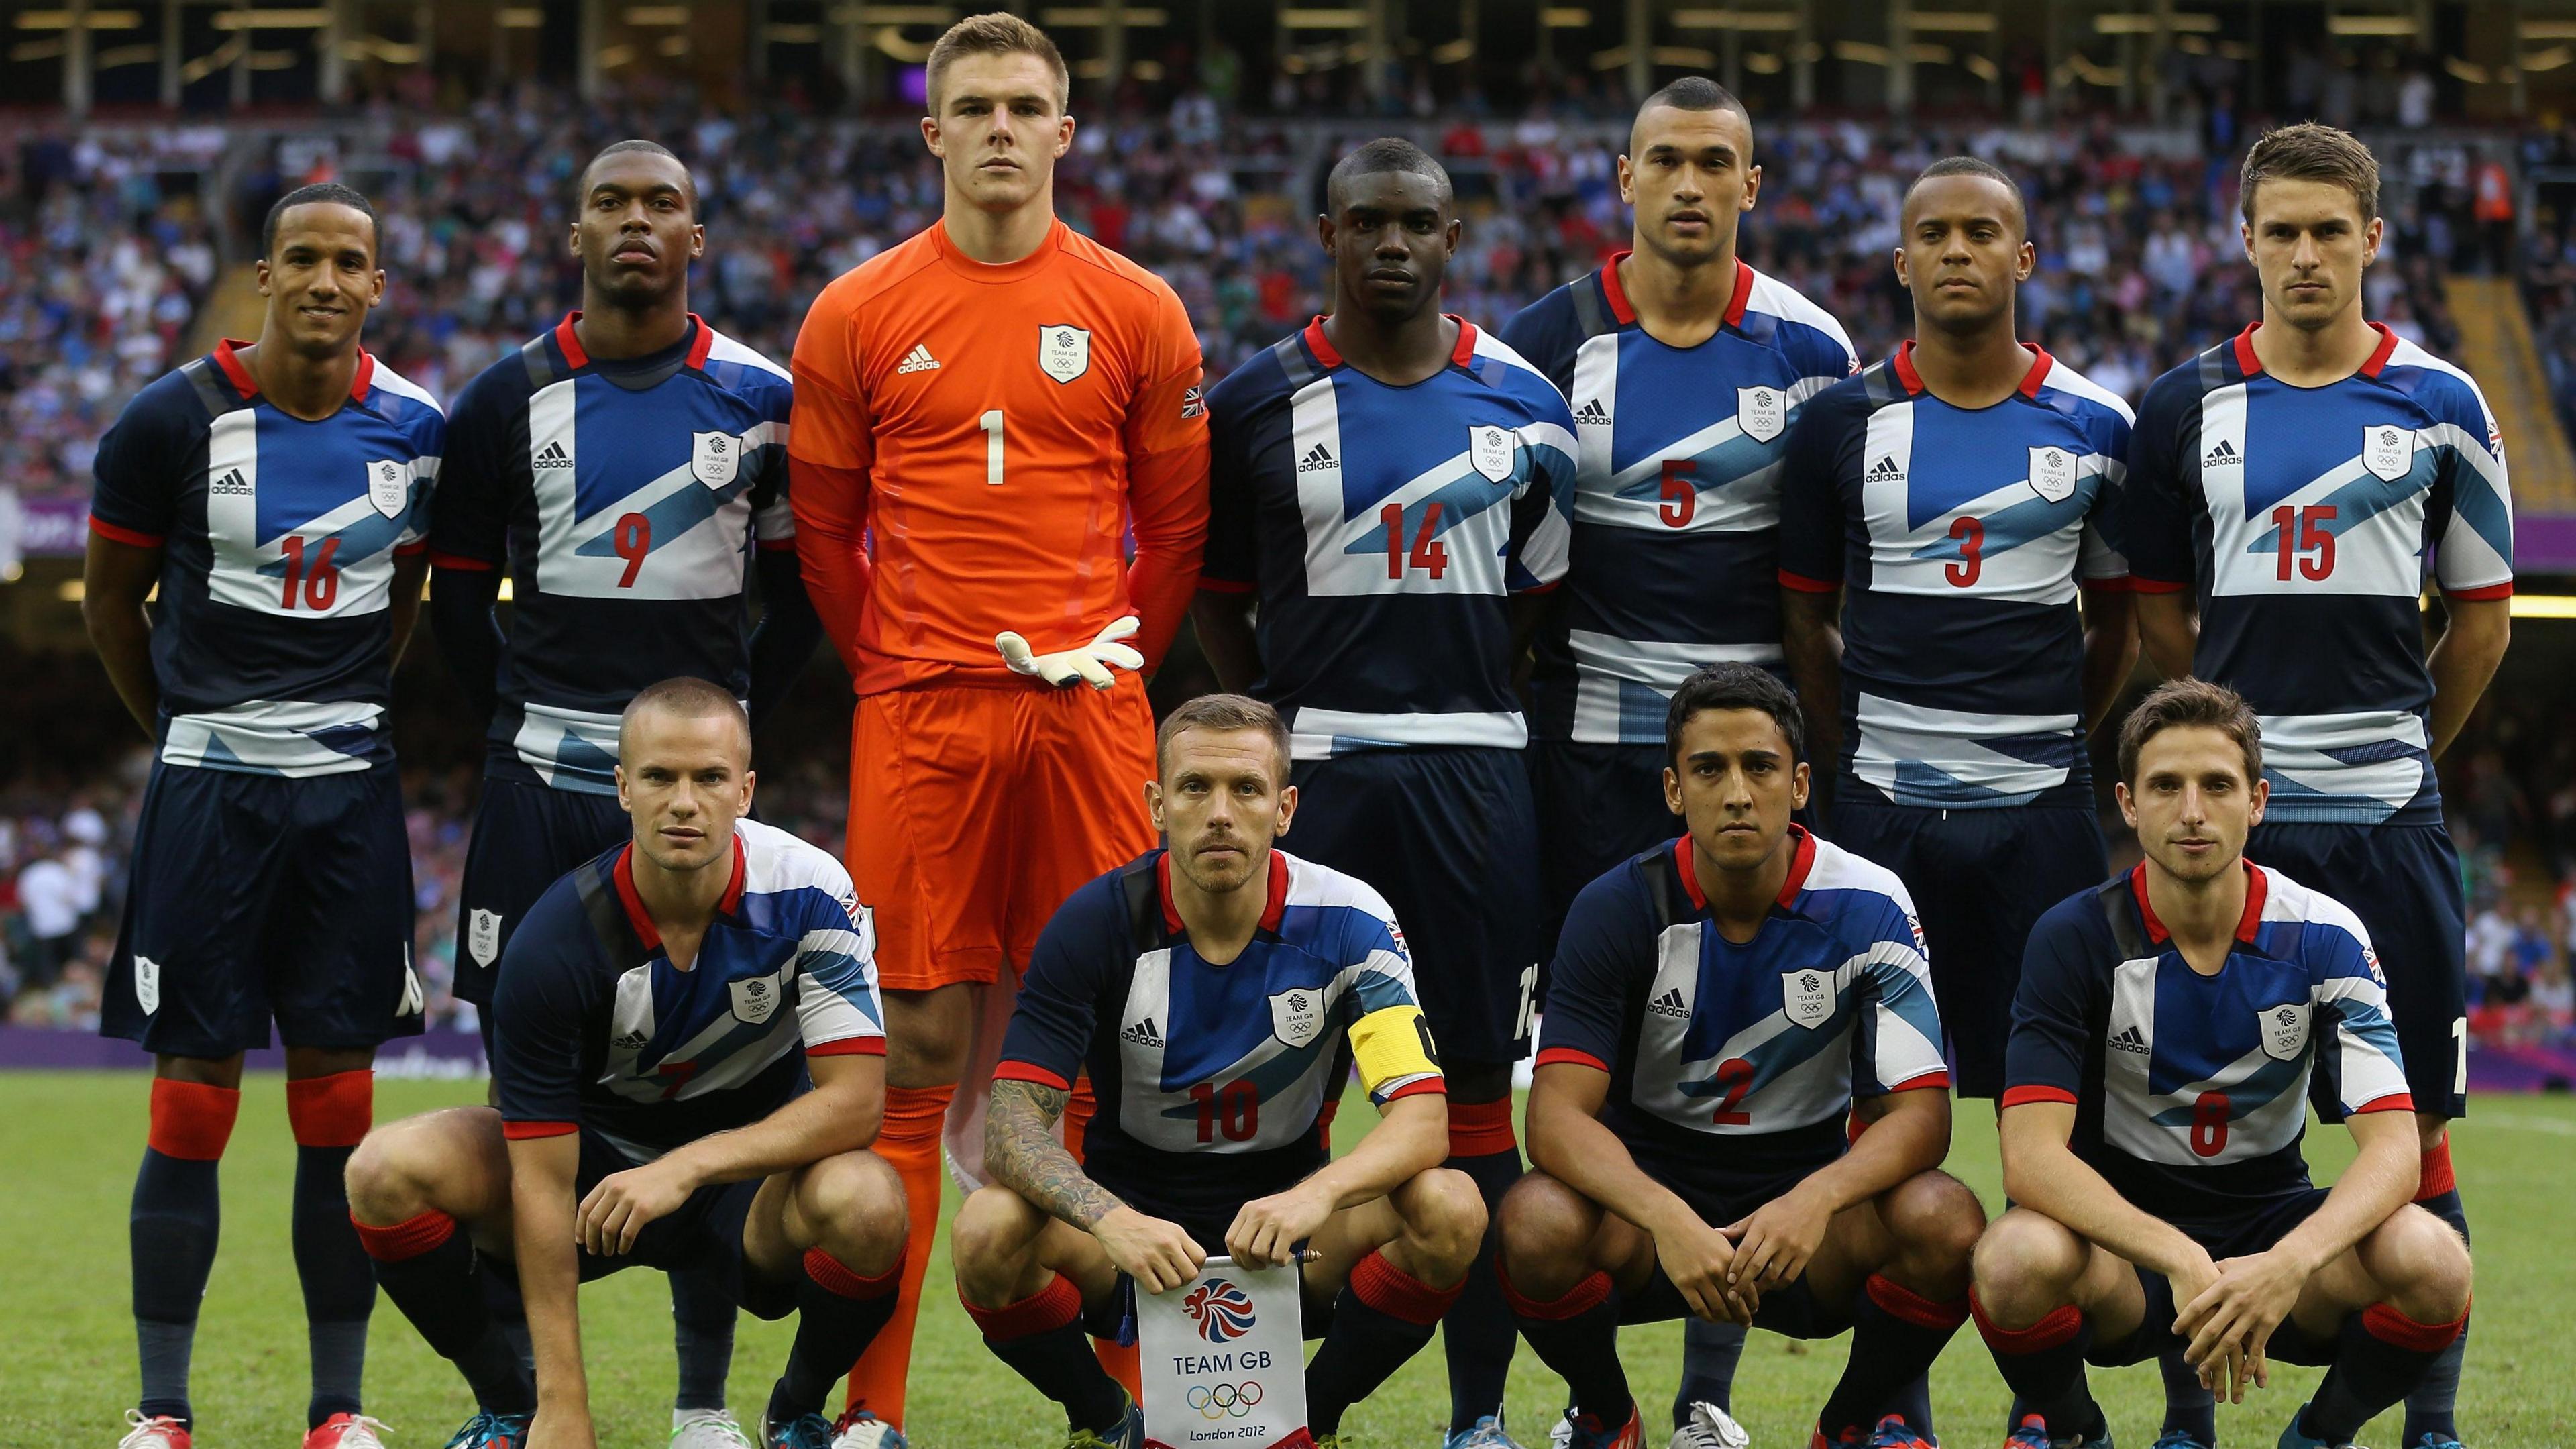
1731, 1061
1677, 493
594, 1027
272, 638
2302, 517
625, 498
1215, 1082
1960, 537
2191, 1091
1384, 530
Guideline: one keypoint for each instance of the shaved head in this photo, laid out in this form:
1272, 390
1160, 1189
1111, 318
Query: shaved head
1690, 93
1985, 170
1386, 153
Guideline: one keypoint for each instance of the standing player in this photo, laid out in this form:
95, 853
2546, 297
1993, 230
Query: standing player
982, 412
2276, 557
1219, 993
1720, 1005
2166, 1029
688, 1069
275, 492
622, 466
1387, 483
1685, 368
1949, 504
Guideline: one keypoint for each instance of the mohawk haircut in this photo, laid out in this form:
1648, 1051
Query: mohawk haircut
330, 193
1975, 166
1695, 93
1386, 153
689, 182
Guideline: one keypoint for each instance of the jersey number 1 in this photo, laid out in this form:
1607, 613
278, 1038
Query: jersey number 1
991, 423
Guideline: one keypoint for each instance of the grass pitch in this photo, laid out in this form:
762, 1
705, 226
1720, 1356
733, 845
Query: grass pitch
69, 1143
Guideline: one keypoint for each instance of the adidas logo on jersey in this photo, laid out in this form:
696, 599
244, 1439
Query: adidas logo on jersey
231, 485
1593, 412
1316, 457
1669, 1004
554, 456
917, 360
2222, 455
1143, 1034
2132, 1040
631, 1041
1885, 470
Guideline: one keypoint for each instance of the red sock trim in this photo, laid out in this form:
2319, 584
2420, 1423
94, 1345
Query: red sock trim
1580, 1299
840, 1279
2397, 1330
191, 1120
332, 1111
2050, 1332
1901, 1302
2437, 1178
1398, 1294
1481, 1129
915, 1113
406, 1239
1044, 1311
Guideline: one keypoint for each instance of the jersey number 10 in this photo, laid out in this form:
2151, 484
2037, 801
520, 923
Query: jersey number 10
1234, 1111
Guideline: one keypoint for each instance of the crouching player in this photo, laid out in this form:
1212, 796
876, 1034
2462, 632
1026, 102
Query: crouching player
654, 1104
2155, 1096
1719, 1006
1209, 987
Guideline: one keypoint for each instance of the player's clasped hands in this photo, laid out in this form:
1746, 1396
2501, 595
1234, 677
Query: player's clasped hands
1774, 1243
617, 1210
1697, 1258
1267, 1230
1090, 663
1159, 1254
2231, 1318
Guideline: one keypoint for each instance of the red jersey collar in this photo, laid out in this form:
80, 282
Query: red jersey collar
1272, 910
1626, 312
1463, 355
1903, 363
2256, 888
701, 341
1802, 859
238, 373
2251, 366
641, 919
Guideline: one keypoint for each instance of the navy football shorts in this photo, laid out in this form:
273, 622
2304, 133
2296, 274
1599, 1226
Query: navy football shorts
527, 836
2241, 1234
705, 1231
2403, 881
1597, 806
1449, 837
257, 897
1980, 880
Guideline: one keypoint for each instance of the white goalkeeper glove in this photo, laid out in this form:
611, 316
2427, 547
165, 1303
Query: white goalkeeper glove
1091, 663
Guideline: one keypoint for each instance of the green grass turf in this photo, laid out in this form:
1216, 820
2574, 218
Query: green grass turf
69, 1142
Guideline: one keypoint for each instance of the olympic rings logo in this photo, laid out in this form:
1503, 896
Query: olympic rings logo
1224, 1401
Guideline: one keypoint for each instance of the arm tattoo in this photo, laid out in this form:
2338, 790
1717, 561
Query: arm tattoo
1022, 1153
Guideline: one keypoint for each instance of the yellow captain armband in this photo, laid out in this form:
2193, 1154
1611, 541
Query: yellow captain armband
1393, 1047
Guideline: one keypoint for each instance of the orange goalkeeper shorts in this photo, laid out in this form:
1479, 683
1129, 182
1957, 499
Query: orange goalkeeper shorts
976, 809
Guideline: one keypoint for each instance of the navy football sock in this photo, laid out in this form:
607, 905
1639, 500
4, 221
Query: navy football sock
1710, 1352
432, 1273
2189, 1407
2432, 1406
338, 1279
1480, 1338
1383, 1317
1041, 1338
702, 1320
1896, 1334
838, 1312
2380, 1354
172, 1228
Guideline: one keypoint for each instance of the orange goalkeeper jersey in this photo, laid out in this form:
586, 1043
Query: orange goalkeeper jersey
990, 432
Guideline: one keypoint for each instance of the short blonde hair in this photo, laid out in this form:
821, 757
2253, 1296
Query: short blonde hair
998, 33
2311, 152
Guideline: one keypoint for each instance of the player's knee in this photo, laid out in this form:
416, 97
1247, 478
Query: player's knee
991, 1232
853, 1205
2025, 1265
384, 1179
2424, 1263
1933, 1217
1546, 1235
1445, 1217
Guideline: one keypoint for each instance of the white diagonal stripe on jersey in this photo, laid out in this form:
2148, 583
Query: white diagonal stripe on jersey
1317, 734
270, 736
1603, 662
1893, 733
2297, 759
